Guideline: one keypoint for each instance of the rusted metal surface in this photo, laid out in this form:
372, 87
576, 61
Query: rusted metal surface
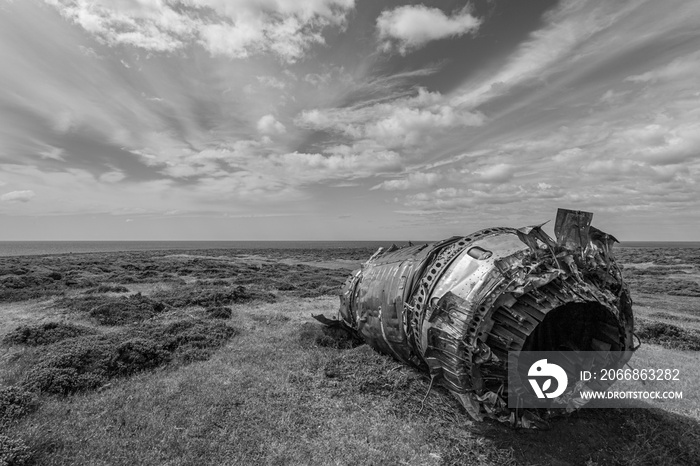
458, 307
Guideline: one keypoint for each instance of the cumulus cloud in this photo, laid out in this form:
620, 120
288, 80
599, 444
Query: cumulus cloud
18, 196
112, 177
237, 28
339, 162
400, 122
55, 153
268, 124
416, 180
409, 27
498, 173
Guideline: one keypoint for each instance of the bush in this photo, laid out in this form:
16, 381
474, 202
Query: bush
328, 337
15, 402
212, 297
338, 338
126, 310
73, 365
107, 289
192, 340
13, 281
13, 452
220, 312
88, 362
669, 336
45, 334
136, 355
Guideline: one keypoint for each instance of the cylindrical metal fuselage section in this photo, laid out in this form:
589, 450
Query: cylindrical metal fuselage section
458, 307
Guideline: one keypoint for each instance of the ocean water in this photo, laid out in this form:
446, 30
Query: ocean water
22, 248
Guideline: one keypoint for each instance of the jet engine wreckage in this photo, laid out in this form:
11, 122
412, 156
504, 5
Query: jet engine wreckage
456, 308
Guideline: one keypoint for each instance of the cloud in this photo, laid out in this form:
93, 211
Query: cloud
547, 50
677, 69
411, 27
401, 122
271, 81
55, 153
416, 180
112, 177
360, 160
269, 125
238, 28
498, 173
18, 196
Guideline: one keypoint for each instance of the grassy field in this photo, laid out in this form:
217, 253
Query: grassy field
211, 357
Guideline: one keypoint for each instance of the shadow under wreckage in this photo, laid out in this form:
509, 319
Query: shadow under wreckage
458, 307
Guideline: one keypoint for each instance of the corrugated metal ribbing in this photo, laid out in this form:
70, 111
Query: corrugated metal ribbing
380, 299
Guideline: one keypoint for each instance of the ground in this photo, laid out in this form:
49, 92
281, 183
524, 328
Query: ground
211, 357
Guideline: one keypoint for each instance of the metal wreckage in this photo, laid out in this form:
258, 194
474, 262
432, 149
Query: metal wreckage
457, 307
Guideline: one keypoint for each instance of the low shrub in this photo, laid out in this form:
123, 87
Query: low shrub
121, 310
107, 289
45, 334
212, 296
219, 312
88, 362
192, 339
13, 452
336, 337
15, 402
668, 335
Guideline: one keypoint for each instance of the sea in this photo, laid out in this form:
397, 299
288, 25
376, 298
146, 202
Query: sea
23, 248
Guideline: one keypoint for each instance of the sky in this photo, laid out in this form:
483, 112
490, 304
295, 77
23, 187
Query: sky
346, 119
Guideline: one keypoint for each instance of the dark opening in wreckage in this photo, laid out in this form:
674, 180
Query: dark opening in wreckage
457, 307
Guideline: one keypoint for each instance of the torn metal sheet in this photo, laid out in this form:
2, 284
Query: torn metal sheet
456, 308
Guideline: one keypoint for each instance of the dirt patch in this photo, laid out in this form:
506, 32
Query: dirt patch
45, 334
